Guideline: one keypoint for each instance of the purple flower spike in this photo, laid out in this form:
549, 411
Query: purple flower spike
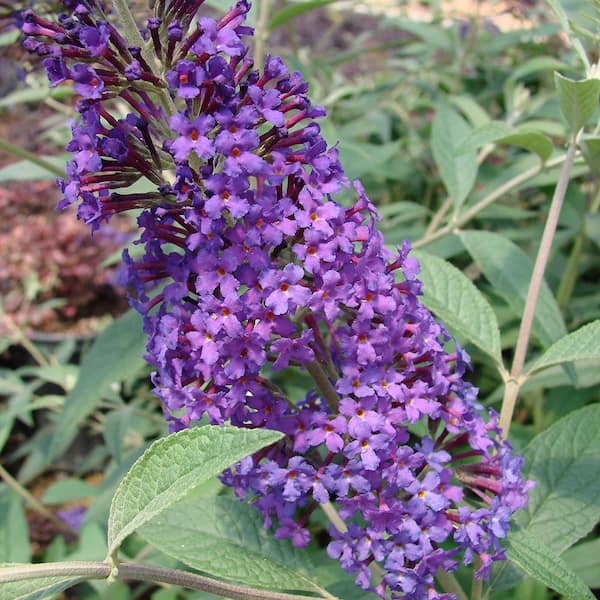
250, 265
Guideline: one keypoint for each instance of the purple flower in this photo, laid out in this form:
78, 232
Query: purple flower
228, 193
217, 39
87, 81
192, 137
95, 39
73, 517
284, 289
186, 78
56, 70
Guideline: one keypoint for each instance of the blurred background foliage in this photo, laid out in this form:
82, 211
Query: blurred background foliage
448, 113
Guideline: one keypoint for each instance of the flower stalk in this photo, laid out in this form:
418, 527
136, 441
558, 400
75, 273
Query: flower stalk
515, 380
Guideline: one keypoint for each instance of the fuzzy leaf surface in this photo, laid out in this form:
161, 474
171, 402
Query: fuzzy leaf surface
459, 304
539, 562
583, 344
172, 468
509, 271
584, 559
456, 162
578, 99
226, 539
564, 461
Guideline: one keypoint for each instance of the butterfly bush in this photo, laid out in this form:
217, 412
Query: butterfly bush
251, 266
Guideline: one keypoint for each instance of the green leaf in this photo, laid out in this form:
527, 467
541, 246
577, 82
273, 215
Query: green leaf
537, 560
100, 508
474, 112
501, 133
533, 141
435, 37
509, 271
361, 158
564, 461
63, 375
292, 10
24, 170
489, 132
584, 560
582, 344
587, 375
578, 100
67, 489
459, 304
535, 65
34, 589
590, 148
116, 425
592, 227
457, 164
14, 532
528, 589
115, 355
174, 466
91, 543
400, 212
36, 94
226, 539
9, 37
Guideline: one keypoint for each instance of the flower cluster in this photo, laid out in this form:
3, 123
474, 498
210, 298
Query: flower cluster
250, 266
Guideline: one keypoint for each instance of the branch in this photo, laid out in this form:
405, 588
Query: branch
34, 503
324, 385
450, 584
513, 385
261, 32
487, 201
102, 570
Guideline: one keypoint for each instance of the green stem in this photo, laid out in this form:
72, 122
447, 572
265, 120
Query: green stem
130, 30
477, 585
33, 502
334, 517
508, 186
450, 584
31, 157
537, 277
261, 32
324, 385
25, 341
132, 34
438, 217
102, 570
567, 284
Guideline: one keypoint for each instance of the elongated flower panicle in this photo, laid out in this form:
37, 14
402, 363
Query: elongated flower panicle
251, 266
